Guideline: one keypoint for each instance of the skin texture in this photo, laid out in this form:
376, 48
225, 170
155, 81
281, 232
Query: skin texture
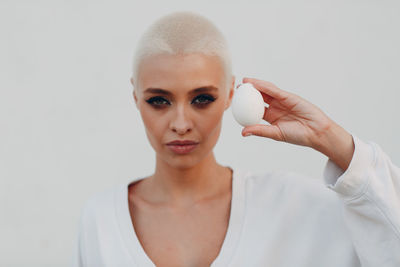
180, 213
177, 176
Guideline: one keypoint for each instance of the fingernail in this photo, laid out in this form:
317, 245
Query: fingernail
247, 134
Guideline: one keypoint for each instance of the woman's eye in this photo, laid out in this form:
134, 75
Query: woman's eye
203, 100
200, 101
157, 101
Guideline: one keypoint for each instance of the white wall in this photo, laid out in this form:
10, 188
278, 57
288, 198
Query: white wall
69, 126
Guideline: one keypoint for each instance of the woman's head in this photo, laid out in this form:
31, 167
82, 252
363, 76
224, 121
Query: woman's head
183, 32
182, 85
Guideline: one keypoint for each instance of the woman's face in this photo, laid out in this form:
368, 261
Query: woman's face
172, 109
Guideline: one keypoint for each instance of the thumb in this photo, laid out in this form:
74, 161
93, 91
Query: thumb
269, 131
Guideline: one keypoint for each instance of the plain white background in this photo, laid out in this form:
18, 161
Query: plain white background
69, 127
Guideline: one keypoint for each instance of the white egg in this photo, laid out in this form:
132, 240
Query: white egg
247, 105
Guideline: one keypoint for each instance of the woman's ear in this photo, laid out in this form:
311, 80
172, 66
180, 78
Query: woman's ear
231, 92
134, 91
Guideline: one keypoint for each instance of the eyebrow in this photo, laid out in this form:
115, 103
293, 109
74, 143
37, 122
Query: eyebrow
209, 88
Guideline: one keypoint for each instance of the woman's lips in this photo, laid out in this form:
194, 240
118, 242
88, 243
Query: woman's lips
182, 149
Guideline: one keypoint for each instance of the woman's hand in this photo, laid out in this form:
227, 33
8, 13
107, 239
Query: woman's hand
295, 120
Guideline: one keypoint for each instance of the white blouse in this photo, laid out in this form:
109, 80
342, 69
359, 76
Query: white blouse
278, 218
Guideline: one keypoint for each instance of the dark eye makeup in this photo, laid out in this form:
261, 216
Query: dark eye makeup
199, 101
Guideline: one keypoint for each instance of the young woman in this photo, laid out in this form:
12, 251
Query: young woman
193, 211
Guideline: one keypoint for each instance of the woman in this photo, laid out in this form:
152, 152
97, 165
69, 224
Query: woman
193, 211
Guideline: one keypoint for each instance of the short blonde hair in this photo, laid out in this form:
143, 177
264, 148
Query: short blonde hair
183, 32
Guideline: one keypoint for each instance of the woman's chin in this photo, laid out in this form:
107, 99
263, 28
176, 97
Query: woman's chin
182, 161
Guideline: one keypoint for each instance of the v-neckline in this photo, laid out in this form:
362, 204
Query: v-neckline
226, 253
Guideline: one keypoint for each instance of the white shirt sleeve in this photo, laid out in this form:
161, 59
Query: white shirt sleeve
370, 190
77, 259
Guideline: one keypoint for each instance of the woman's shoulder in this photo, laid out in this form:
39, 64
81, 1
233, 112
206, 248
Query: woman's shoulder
101, 203
288, 185
281, 177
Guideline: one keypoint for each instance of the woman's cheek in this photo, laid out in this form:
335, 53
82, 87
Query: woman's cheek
151, 125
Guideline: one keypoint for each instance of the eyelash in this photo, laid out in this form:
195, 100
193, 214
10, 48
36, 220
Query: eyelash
209, 99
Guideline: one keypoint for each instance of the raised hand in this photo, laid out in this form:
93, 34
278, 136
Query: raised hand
295, 120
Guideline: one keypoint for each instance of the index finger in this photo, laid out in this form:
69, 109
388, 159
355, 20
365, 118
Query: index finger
268, 88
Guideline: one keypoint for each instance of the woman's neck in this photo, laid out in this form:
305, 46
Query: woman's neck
185, 186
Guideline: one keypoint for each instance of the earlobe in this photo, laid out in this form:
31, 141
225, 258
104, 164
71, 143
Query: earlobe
231, 92
135, 98
134, 91
134, 95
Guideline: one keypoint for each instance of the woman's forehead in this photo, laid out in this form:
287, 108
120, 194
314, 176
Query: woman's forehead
184, 72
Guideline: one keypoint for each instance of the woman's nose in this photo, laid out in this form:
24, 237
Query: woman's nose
180, 121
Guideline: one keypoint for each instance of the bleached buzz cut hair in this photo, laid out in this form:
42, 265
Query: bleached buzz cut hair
183, 32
